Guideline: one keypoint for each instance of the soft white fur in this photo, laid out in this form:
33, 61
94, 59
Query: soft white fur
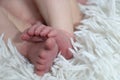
96, 51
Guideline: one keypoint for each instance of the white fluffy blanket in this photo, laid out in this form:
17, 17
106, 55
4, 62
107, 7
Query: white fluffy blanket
96, 51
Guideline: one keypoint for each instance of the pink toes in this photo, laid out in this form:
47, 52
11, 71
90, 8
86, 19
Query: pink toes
32, 29
36, 33
40, 72
33, 33
41, 61
43, 66
46, 57
38, 30
25, 36
45, 31
40, 67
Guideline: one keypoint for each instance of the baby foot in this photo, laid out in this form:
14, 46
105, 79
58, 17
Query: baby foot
42, 55
62, 38
63, 41
32, 33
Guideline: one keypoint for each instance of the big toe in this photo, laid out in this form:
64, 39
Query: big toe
40, 73
25, 36
50, 44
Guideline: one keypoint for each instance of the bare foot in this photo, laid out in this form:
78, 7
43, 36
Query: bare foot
32, 34
42, 55
42, 32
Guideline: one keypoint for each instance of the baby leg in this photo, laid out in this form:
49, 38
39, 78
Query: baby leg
76, 13
59, 16
40, 54
10, 31
22, 10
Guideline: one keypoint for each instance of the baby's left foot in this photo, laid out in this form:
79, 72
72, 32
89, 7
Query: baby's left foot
46, 56
32, 34
41, 54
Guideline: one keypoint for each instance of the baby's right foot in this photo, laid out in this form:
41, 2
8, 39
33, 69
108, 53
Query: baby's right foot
42, 55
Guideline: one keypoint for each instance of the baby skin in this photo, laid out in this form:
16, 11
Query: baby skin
42, 55
40, 33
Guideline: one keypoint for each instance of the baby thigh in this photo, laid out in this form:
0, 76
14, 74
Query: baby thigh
57, 13
7, 27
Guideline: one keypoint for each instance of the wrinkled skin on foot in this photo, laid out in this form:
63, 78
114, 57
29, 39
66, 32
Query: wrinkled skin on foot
42, 55
40, 32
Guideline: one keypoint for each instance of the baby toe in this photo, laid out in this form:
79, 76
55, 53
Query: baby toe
41, 61
39, 29
45, 31
25, 36
43, 55
40, 67
32, 30
39, 72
